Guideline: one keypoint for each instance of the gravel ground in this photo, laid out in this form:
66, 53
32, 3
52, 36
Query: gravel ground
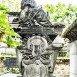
62, 70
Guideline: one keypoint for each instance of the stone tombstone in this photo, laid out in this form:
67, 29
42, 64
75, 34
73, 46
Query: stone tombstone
37, 56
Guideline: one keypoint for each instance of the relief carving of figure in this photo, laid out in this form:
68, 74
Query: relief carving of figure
37, 58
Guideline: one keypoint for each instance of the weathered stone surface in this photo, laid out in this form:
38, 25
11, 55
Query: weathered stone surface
36, 56
38, 59
34, 70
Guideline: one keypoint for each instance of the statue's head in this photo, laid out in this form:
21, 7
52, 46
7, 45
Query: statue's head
30, 3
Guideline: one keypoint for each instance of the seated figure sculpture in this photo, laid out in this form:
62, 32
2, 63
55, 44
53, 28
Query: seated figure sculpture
31, 13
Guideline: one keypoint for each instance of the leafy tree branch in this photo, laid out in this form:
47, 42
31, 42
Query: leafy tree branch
6, 32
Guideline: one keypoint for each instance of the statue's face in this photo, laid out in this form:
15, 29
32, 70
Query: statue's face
25, 12
26, 8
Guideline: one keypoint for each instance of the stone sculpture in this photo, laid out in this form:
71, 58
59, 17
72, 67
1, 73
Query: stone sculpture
31, 14
36, 56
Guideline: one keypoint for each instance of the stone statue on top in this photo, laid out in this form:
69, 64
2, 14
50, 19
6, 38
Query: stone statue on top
32, 15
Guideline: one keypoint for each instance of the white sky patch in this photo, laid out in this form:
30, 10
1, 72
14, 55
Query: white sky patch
54, 2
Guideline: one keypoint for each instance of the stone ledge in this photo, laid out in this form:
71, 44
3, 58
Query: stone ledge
71, 31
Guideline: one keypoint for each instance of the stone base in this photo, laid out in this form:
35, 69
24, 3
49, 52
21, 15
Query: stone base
21, 76
39, 76
10, 75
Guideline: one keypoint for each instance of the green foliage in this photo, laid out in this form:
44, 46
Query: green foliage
14, 70
62, 13
3, 7
6, 32
13, 5
10, 70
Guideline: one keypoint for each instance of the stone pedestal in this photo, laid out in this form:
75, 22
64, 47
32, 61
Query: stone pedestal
37, 56
42, 65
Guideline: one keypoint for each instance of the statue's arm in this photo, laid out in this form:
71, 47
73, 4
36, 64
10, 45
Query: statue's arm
42, 18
